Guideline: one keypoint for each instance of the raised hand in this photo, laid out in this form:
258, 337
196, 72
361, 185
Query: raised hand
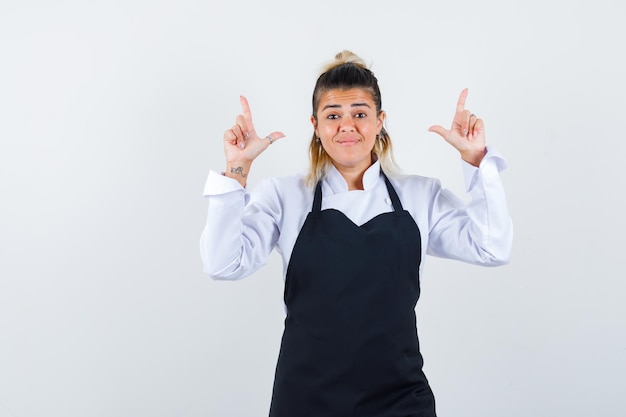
242, 144
467, 133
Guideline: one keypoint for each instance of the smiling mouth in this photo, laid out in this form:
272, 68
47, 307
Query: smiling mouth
348, 141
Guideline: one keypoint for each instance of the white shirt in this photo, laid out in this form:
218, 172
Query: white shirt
243, 227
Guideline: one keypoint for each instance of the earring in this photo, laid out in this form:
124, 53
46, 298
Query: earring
318, 140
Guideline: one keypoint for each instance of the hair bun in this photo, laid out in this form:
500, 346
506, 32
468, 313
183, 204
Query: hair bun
345, 57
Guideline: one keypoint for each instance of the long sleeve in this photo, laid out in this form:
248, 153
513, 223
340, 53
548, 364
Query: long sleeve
239, 234
478, 232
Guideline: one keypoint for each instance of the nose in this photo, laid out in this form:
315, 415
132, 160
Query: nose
347, 124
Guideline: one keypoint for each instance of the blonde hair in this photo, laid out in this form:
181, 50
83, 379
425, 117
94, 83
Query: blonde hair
345, 72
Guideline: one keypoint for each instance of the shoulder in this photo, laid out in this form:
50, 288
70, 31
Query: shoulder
282, 188
417, 193
412, 182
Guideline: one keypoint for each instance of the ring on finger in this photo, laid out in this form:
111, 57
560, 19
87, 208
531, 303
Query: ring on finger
268, 137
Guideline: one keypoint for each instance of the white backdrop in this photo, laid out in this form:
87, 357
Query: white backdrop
112, 113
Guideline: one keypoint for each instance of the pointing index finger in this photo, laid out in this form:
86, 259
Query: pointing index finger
460, 105
245, 108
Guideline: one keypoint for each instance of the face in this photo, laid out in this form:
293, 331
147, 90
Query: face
347, 125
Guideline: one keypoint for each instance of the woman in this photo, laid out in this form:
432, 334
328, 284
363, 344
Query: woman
352, 235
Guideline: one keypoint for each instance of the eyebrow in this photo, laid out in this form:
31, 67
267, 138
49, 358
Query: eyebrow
337, 106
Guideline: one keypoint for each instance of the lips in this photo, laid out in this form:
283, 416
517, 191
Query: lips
348, 141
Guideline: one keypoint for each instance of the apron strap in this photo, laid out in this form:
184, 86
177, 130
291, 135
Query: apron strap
395, 200
317, 199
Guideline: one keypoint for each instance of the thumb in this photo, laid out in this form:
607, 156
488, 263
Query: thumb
276, 135
440, 130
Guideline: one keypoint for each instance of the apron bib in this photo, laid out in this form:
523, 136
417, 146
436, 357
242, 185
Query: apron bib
350, 345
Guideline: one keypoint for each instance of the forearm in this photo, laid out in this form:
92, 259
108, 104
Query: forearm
220, 242
240, 229
481, 231
489, 215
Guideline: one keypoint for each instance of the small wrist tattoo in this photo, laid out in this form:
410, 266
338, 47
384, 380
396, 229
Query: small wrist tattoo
237, 170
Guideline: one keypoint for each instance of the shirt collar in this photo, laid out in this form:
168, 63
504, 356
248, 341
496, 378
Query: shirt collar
337, 184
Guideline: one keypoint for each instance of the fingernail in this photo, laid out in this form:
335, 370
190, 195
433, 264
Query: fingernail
241, 146
464, 132
247, 136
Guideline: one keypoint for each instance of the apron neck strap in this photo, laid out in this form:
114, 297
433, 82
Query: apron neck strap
395, 200
317, 199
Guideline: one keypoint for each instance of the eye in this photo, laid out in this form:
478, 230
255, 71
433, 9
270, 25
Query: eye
360, 115
332, 117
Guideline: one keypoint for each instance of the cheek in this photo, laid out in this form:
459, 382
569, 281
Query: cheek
326, 129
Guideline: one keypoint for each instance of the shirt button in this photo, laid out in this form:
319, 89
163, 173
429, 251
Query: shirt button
387, 201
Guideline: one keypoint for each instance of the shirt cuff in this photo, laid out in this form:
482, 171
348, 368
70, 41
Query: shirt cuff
217, 184
492, 157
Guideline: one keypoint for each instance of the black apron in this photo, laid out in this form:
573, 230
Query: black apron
350, 344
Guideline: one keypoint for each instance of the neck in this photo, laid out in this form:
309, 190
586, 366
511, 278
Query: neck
354, 183
353, 176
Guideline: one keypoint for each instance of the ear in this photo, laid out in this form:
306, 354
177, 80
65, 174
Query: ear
314, 123
381, 120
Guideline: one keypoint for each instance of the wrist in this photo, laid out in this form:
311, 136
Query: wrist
474, 157
238, 170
